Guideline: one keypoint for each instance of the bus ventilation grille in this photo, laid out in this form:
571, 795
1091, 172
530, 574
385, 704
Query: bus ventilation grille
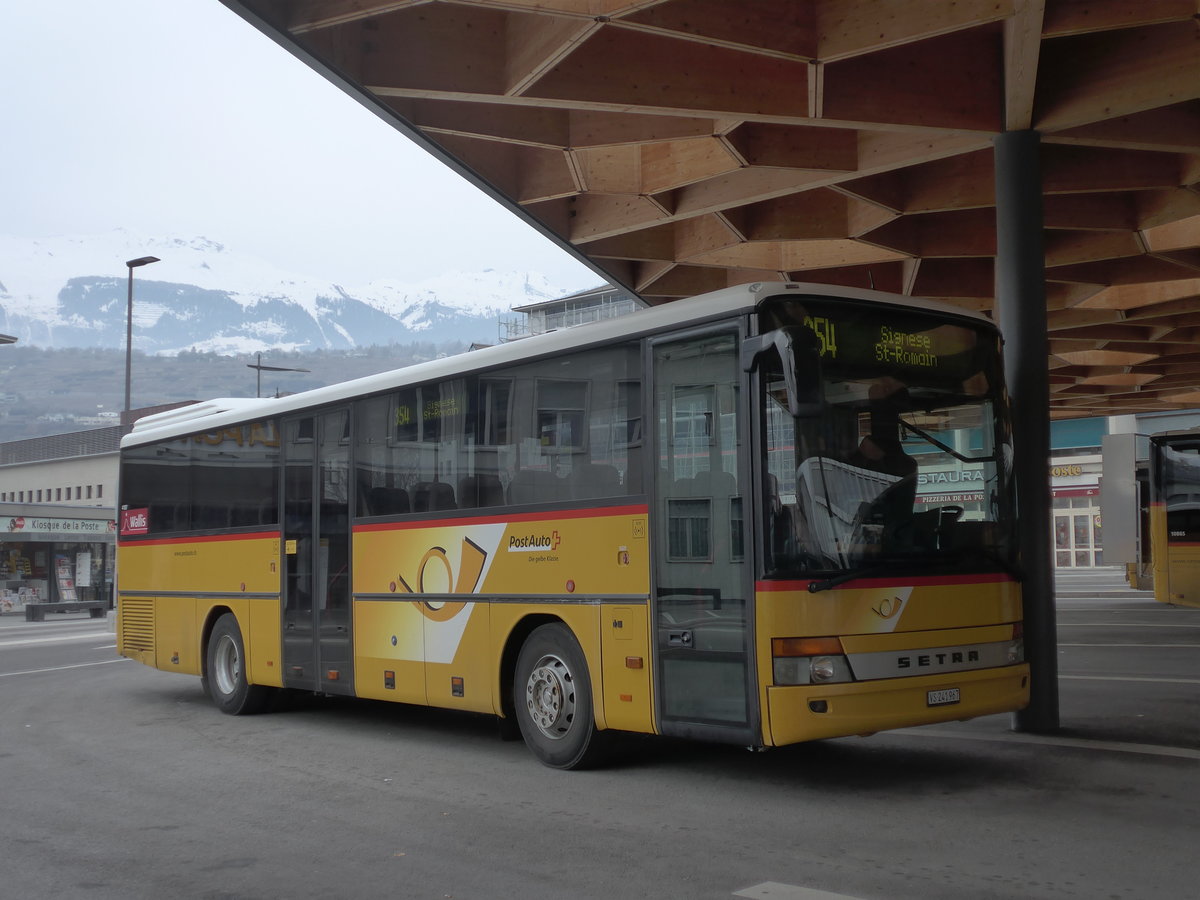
137, 624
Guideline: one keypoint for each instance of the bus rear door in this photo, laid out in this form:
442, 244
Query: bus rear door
317, 655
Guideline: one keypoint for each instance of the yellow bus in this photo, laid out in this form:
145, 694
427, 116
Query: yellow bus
765, 515
1175, 517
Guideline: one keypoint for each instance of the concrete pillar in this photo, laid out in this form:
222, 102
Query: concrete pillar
1021, 315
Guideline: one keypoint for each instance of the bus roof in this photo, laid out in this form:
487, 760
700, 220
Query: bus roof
222, 412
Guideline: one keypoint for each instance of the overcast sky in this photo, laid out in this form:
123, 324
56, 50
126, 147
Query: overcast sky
179, 119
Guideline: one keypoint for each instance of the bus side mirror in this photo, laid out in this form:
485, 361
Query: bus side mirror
800, 359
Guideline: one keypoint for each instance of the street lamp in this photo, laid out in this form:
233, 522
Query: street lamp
7, 339
261, 368
133, 264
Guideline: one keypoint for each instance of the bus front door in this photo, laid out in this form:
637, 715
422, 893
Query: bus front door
317, 655
702, 589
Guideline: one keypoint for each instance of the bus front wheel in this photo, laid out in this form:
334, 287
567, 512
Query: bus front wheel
552, 698
225, 673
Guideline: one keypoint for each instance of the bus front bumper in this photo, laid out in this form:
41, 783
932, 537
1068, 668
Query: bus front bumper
864, 707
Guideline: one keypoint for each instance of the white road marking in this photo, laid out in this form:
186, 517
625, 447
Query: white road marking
776, 891
1123, 625
104, 662
1130, 678
1154, 646
1051, 741
91, 636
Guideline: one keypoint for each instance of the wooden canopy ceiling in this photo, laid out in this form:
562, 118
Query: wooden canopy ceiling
681, 146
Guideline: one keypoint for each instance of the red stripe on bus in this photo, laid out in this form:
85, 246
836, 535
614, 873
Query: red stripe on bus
201, 539
598, 513
766, 587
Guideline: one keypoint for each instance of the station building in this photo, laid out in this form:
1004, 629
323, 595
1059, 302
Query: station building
58, 498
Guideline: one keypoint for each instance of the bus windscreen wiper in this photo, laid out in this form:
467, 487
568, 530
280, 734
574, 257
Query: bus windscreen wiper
849, 575
922, 433
959, 556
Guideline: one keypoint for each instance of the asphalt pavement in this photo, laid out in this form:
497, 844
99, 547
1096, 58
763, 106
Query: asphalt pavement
123, 781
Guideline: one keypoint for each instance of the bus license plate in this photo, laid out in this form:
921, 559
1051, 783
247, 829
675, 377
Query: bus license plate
943, 697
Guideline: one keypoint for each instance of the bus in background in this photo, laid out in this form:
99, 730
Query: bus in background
765, 515
1175, 516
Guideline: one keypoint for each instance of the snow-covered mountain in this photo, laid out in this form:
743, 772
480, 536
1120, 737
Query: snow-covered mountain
71, 292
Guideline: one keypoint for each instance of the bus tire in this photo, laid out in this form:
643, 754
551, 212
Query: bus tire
552, 700
225, 671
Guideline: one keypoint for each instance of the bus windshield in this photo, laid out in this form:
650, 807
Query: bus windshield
904, 458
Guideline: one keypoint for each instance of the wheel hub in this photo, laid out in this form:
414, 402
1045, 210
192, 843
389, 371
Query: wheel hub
228, 665
550, 697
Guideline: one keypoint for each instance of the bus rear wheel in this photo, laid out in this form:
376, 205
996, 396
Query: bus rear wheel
552, 699
225, 672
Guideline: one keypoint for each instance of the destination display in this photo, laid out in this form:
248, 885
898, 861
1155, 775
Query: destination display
893, 340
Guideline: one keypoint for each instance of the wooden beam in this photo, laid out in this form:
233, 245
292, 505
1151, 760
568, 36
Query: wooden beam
656, 244
794, 256
535, 44
886, 276
1068, 170
1162, 207
701, 236
794, 147
1131, 271
673, 164
600, 129
1070, 247
956, 278
1065, 319
961, 182
1022, 48
525, 174
1116, 73
657, 73
851, 27
809, 215
610, 170
781, 27
1070, 17
943, 82
309, 15
647, 273
456, 54
969, 232
1174, 129
1091, 212
549, 128
604, 215
1183, 234
688, 281
1132, 296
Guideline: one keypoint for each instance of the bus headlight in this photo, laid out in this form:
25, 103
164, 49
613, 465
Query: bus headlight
1016, 648
820, 669
809, 661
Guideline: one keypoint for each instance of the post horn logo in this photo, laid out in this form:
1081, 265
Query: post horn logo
470, 568
888, 608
